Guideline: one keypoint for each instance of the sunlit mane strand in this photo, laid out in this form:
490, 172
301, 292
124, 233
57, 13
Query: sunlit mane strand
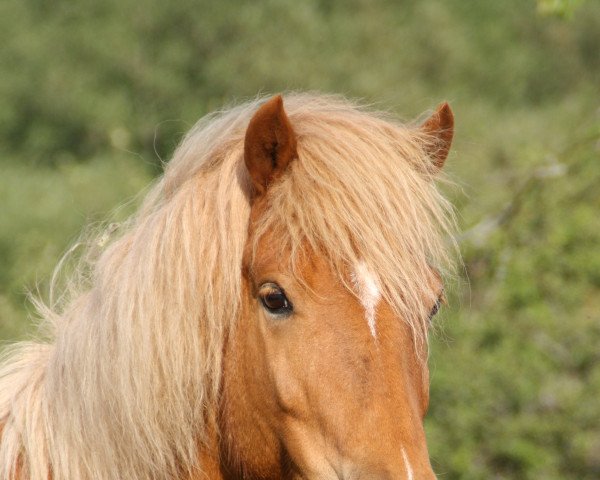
127, 387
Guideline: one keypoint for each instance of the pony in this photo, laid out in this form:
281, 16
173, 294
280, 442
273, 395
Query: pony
264, 314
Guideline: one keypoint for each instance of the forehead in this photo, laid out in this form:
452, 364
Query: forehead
269, 257
270, 253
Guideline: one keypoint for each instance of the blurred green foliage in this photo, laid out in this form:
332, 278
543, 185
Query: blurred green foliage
95, 95
559, 8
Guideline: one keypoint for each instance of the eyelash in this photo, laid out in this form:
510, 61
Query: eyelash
436, 307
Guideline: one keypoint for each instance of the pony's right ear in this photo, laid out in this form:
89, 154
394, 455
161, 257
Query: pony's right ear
270, 144
439, 129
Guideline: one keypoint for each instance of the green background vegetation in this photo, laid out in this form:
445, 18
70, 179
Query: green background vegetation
95, 95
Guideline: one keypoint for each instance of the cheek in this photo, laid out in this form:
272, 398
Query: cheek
313, 361
276, 360
251, 354
292, 357
289, 382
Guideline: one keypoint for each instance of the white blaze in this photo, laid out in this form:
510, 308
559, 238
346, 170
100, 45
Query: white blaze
409, 470
368, 292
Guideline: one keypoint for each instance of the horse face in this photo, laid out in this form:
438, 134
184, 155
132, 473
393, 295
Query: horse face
321, 378
328, 382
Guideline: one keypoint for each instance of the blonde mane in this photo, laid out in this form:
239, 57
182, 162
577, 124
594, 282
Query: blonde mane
128, 385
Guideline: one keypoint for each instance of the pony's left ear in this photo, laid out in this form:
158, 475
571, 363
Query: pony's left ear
270, 144
439, 129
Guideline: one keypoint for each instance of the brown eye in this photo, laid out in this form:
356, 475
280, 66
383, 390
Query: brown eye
274, 300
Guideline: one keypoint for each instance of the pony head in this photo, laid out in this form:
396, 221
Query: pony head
264, 315
324, 371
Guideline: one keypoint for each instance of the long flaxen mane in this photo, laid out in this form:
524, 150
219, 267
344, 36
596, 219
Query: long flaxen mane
127, 387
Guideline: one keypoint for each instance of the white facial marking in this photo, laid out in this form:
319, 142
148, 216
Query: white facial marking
368, 292
409, 470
